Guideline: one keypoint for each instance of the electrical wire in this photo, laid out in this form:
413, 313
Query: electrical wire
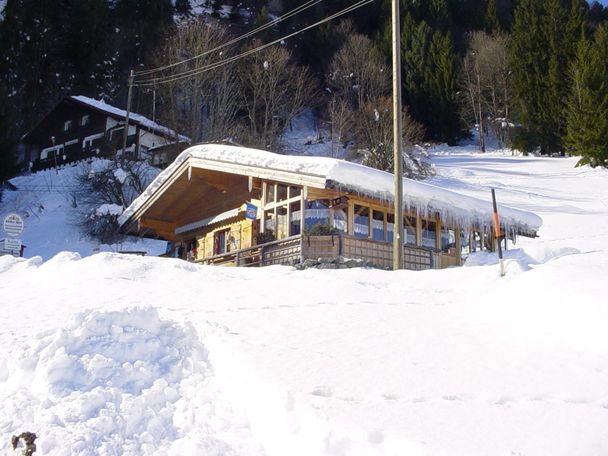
213, 66
272, 23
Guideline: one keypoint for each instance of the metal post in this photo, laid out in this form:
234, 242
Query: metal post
126, 131
397, 143
498, 234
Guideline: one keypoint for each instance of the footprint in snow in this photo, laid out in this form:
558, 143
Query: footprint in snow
322, 391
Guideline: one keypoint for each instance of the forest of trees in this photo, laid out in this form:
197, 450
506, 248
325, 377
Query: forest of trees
532, 74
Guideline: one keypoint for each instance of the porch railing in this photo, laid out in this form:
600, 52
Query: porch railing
283, 251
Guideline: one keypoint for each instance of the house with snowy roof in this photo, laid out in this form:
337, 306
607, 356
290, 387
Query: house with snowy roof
238, 206
79, 127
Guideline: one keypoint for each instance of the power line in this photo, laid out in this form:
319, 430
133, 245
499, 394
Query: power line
272, 23
203, 69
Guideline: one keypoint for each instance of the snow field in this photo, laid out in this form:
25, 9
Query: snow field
115, 354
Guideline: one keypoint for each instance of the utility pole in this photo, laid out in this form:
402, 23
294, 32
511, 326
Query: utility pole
397, 142
126, 131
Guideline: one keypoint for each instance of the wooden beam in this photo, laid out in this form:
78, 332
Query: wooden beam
157, 225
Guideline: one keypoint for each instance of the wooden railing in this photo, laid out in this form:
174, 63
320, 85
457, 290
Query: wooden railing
283, 251
292, 250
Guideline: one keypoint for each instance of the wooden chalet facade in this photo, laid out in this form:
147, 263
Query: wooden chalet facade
243, 207
80, 127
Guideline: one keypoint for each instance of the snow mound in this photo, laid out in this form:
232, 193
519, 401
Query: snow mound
125, 350
117, 382
524, 258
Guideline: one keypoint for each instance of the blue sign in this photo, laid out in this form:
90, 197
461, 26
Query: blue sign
251, 213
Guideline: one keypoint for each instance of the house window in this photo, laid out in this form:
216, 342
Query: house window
428, 234
295, 217
409, 224
378, 225
448, 240
341, 218
361, 221
316, 213
67, 125
85, 120
220, 242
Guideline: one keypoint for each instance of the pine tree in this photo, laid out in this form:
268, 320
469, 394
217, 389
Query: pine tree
541, 55
430, 78
491, 20
587, 109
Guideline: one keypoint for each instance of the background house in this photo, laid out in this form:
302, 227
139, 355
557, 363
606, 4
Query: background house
79, 127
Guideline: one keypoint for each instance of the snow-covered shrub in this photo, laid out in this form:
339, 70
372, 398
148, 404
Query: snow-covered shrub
105, 189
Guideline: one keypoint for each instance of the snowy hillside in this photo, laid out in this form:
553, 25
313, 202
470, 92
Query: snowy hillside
112, 354
45, 200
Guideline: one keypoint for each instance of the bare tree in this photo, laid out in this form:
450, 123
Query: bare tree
273, 90
357, 72
486, 86
204, 105
375, 139
341, 121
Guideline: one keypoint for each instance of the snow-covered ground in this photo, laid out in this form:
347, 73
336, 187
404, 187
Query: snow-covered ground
45, 201
114, 354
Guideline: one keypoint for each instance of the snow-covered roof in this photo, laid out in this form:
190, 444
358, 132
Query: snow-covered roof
326, 172
133, 117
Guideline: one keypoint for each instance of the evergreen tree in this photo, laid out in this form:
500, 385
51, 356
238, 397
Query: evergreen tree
587, 109
430, 79
542, 52
491, 20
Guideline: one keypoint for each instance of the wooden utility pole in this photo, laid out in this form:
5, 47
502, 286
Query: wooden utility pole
126, 131
397, 142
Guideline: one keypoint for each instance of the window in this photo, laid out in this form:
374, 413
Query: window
390, 223
85, 120
295, 217
317, 213
361, 221
270, 193
378, 225
409, 224
341, 218
428, 234
448, 240
67, 125
270, 221
219, 242
282, 222
281, 192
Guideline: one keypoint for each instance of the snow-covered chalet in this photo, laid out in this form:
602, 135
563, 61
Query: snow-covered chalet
237, 206
79, 127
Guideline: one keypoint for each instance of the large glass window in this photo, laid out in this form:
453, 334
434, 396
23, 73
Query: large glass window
448, 240
428, 233
281, 192
378, 225
317, 213
390, 223
270, 193
294, 192
296, 216
361, 221
270, 221
282, 222
409, 224
341, 218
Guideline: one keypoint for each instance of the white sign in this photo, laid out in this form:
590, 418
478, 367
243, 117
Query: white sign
13, 245
13, 225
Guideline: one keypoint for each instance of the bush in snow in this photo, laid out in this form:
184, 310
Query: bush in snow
106, 188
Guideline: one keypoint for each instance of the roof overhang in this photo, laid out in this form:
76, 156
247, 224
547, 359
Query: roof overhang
193, 193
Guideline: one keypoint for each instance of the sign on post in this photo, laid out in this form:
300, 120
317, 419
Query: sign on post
13, 225
13, 245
